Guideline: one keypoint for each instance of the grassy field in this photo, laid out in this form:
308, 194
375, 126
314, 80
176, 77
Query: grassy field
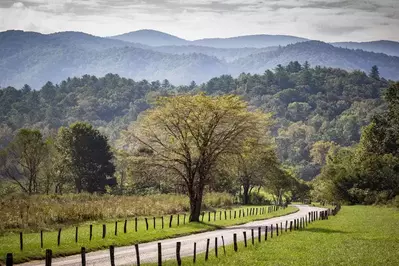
46, 212
10, 243
358, 235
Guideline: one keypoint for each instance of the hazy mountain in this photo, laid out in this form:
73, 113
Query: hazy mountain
323, 54
221, 53
33, 58
386, 47
157, 38
150, 37
255, 41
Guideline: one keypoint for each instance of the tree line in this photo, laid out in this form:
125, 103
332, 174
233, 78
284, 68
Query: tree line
309, 104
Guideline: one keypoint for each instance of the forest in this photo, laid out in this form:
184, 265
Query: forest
313, 116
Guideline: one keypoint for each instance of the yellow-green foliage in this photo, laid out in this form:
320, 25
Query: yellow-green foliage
41, 211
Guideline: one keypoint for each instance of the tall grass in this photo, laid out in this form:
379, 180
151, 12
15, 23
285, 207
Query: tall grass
47, 211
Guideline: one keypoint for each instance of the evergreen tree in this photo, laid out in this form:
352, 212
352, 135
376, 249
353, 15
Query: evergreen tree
375, 73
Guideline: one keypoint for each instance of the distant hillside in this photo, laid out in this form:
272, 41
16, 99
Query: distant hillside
150, 37
33, 58
221, 53
254, 41
386, 47
157, 38
323, 54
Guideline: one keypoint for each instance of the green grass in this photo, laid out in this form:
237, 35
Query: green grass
32, 250
358, 235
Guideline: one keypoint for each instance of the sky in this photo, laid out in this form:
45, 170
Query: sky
326, 20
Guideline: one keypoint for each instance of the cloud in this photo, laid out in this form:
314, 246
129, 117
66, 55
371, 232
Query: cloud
328, 20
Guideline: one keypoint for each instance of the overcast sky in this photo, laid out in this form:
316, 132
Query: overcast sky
327, 20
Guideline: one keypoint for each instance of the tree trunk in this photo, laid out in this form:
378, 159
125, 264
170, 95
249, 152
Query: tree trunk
195, 204
245, 196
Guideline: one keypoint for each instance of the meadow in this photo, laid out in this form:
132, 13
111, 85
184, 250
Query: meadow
357, 235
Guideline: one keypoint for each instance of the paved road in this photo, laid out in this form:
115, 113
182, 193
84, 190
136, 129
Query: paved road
149, 251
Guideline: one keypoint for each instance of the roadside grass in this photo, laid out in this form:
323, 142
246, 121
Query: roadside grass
33, 213
358, 235
10, 243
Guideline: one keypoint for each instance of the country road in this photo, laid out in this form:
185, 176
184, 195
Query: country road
149, 251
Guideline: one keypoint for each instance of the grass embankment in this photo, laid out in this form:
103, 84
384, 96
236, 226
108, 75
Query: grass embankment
358, 235
32, 250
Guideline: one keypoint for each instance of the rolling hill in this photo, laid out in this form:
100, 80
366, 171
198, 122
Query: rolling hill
386, 47
34, 58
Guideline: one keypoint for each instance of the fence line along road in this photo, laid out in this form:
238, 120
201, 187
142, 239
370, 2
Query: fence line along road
149, 251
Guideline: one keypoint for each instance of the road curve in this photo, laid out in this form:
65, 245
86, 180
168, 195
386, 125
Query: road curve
149, 251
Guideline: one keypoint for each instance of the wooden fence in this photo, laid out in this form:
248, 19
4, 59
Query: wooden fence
278, 229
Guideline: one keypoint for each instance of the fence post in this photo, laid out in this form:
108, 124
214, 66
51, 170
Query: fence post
76, 234
49, 255
271, 231
170, 221
207, 249
9, 260
112, 255
290, 226
252, 236
162, 222
216, 247
137, 254
59, 237
225, 214
41, 238
295, 224
178, 219
245, 238
159, 254
116, 228
178, 245
259, 234
91, 232
146, 223
224, 248
214, 215
230, 214
235, 214
21, 241
104, 230
195, 252
266, 233
83, 256
276, 229
184, 219
220, 215
239, 213
135, 223
281, 228
286, 225
209, 216
235, 242
125, 227
154, 222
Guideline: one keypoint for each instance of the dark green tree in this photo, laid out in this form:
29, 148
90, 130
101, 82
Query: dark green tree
88, 155
375, 73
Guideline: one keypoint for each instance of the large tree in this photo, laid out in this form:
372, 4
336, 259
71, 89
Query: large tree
88, 156
187, 135
22, 160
